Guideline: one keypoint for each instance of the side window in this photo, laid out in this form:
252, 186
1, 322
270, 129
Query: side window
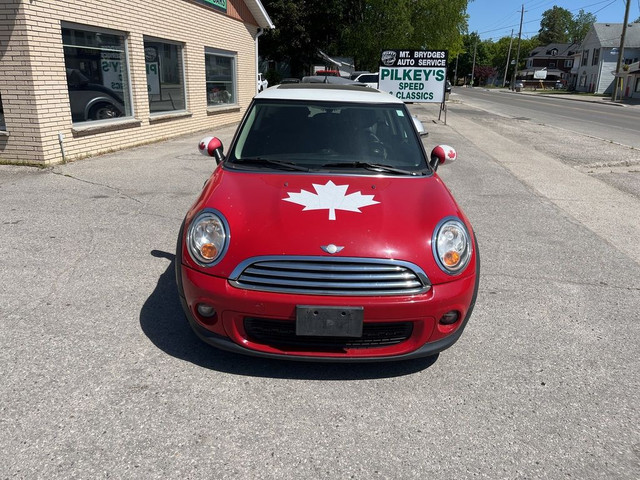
585, 57
3, 125
596, 56
165, 76
97, 74
220, 67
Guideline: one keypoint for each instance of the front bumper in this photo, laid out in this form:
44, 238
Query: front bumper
226, 330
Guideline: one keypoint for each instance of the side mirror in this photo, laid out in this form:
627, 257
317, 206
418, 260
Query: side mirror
212, 147
419, 126
442, 154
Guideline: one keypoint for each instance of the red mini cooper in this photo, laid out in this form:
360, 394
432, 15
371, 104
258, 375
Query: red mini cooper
324, 233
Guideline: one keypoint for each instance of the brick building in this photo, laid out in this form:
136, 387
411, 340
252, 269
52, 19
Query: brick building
80, 78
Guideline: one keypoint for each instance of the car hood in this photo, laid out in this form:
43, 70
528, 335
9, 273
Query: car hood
299, 214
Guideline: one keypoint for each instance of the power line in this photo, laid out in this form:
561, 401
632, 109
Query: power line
539, 19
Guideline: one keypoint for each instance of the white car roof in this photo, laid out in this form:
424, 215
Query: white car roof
328, 92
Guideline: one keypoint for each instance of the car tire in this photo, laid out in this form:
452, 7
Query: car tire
103, 111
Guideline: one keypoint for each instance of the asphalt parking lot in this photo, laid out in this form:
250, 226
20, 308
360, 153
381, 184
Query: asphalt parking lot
102, 377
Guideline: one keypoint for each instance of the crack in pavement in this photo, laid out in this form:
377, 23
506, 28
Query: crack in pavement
119, 192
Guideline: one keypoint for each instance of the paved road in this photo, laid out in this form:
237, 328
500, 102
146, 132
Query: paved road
101, 377
600, 119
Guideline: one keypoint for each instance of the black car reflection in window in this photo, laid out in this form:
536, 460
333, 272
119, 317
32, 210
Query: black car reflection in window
91, 101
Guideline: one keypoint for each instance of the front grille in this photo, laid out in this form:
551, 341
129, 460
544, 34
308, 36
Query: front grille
281, 334
330, 276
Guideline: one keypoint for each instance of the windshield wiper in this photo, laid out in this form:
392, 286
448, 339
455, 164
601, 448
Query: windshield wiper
269, 162
376, 167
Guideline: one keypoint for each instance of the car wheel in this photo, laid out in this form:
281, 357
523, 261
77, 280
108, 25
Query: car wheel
104, 111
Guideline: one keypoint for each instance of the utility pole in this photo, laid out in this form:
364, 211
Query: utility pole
455, 72
620, 52
515, 70
473, 68
506, 68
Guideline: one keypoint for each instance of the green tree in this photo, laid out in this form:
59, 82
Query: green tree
580, 25
374, 25
290, 40
555, 26
438, 25
472, 44
360, 29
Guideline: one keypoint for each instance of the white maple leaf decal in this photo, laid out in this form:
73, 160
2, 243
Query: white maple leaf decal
331, 197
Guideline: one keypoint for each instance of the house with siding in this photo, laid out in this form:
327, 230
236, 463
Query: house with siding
599, 53
555, 60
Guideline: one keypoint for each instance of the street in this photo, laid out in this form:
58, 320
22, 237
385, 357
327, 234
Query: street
102, 377
591, 118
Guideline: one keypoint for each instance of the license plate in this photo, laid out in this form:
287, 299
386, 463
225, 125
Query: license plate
329, 321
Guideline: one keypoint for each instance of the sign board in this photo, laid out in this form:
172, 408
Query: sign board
217, 4
414, 75
111, 66
540, 75
153, 78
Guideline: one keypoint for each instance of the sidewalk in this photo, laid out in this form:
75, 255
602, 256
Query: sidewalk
580, 97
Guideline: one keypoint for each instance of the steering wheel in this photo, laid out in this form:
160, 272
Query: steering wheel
377, 149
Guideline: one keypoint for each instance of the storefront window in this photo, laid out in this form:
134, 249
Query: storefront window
97, 74
165, 76
221, 77
3, 126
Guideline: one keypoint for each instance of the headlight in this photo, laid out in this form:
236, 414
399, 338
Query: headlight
451, 246
207, 238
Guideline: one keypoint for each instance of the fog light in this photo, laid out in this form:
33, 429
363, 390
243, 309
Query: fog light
205, 310
450, 318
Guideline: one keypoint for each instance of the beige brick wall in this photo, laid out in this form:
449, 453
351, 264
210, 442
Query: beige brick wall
33, 79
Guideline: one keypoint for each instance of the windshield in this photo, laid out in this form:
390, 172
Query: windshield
329, 136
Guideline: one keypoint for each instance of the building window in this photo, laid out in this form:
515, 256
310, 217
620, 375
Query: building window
596, 56
568, 63
3, 125
221, 77
585, 57
552, 64
97, 74
637, 85
165, 76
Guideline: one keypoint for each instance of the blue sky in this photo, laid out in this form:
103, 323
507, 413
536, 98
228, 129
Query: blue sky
493, 19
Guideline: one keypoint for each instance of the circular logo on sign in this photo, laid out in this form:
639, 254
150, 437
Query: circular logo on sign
388, 57
150, 54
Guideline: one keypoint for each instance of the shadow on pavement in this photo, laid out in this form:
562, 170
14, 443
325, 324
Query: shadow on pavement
163, 322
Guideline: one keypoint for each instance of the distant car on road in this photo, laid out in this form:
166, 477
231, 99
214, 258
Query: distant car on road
262, 83
324, 233
332, 73
370, 79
